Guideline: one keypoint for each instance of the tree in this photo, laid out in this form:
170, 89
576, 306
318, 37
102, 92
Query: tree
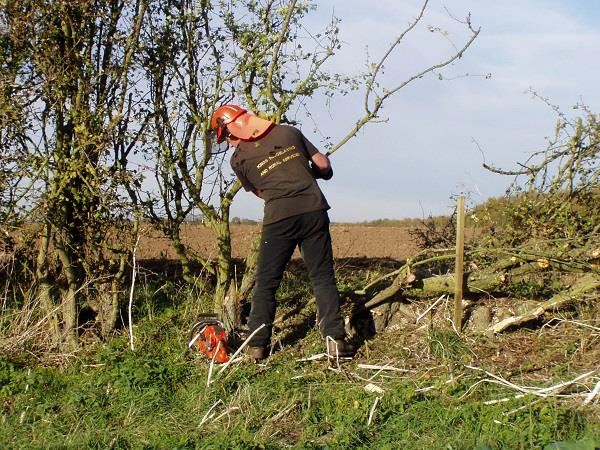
92, 89
77, 114
202, 54
554, 195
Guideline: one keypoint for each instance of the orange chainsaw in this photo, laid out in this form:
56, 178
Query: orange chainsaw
208, 336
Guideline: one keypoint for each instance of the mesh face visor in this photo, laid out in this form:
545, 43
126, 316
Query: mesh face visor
222, 131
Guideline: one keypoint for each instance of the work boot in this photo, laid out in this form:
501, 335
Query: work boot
340, 348
257, 353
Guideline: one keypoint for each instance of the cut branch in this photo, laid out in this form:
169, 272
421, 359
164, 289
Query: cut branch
586, 285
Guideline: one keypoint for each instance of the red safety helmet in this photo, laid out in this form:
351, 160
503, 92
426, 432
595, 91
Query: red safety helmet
236, 121
224, 116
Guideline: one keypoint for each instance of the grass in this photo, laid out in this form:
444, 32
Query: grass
143, 400
156, 397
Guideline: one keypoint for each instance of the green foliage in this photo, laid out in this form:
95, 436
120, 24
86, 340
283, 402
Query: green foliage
549, 216
241, 221
585, 444
522, 216
407, 222
558, 200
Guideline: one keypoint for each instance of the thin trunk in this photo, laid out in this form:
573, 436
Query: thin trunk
226, 310
109, 308
184, 260
586, 285
69, 298
45, 286
236, 296
249, 278
484, 281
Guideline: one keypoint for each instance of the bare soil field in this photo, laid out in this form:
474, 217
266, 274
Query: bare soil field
349, 241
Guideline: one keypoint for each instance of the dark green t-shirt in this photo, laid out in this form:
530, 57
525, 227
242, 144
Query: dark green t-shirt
278, 165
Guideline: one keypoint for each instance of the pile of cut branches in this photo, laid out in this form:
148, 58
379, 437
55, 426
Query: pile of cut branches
541, 242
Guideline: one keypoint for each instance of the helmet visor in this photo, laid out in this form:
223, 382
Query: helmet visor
221, 130
221, 133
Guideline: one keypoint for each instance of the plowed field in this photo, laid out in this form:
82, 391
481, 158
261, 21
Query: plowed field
349, 241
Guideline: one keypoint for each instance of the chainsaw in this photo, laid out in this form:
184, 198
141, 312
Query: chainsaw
209, 337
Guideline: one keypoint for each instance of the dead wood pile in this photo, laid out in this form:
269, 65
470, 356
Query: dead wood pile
575, 277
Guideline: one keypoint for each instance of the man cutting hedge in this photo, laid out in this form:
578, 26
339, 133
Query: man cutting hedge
279, 165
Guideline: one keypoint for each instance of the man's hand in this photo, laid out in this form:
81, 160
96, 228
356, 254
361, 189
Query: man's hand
320, 166
318, 174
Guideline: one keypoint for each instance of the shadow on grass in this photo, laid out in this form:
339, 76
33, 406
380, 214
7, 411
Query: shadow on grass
166, 278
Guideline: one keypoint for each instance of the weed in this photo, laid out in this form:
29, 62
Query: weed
446, 345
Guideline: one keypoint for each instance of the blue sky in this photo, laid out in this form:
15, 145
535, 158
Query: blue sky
428, 150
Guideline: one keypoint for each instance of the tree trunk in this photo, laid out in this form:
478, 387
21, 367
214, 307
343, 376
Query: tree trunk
181, 253
222, 304
236, 295
45, 295
249, 278
69, 298
109, 306
476, 282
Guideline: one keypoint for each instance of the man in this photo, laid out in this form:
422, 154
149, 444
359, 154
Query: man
279, 165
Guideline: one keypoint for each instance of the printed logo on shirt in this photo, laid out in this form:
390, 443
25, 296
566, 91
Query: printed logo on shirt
276, 159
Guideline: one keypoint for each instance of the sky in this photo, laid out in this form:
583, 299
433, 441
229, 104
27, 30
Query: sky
438, 133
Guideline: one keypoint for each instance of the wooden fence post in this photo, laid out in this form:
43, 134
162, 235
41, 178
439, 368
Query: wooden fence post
459, 266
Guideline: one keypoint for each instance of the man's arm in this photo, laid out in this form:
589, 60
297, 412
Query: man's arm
320, 165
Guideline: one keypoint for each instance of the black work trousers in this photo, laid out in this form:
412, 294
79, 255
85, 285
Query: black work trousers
309, 231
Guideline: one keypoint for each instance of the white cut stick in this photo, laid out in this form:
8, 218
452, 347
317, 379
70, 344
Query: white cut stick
195, 338
592, 394
502, 400
574, 322
227, 411
429, 388
521, 408
337, 353
559, 386
430, 308
212, 364
374, 389
207, 415
313, 357
228, 363
542, 392
130, 307
375, 367
372, 411
502, 381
